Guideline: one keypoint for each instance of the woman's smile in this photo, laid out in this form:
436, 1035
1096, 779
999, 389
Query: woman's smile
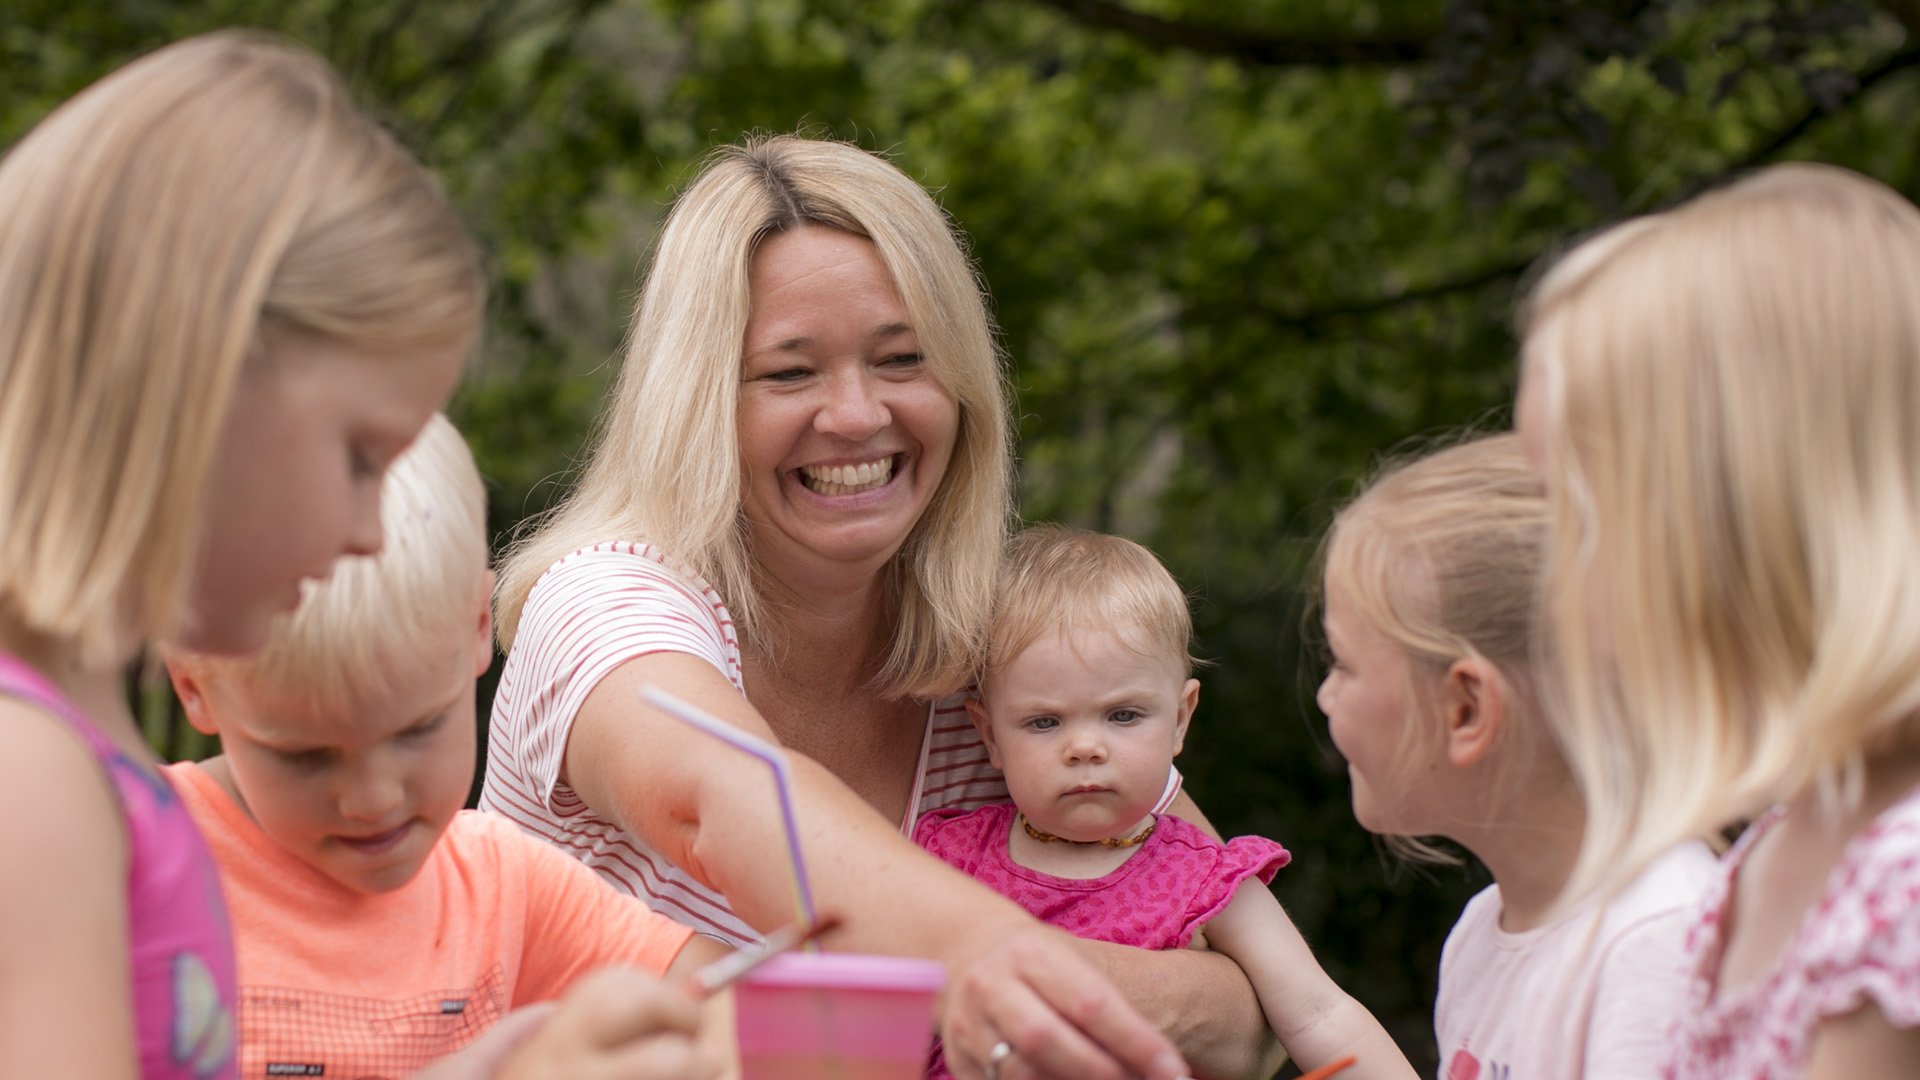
847, 479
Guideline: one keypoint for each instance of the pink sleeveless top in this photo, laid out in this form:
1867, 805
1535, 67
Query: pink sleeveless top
181, 950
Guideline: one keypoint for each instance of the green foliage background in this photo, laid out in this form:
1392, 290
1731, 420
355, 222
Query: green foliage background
1237, 253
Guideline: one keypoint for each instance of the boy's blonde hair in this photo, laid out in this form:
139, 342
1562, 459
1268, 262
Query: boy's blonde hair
148, 227
1730, 400
1055, 578
665, 466
379, 620
1442, 554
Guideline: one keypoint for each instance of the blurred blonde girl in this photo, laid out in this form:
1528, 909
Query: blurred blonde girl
228, 300
1724, 402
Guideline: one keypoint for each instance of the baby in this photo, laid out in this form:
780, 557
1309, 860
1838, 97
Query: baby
1084, 703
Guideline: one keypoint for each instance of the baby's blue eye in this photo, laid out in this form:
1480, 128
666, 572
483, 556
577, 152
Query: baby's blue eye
1042, 723
1125, 716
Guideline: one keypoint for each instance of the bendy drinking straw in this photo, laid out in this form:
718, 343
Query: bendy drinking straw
733, 967
775, 758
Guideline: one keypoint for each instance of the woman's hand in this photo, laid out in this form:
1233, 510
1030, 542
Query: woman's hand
1056, 1015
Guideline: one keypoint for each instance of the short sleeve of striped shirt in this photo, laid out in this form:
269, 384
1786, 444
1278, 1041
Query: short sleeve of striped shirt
596, 609
954, 770
591, 612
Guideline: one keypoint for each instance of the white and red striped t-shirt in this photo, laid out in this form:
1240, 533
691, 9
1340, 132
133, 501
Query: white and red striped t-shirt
598, 608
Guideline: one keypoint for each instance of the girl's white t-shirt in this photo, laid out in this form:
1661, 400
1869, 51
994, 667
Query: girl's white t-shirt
598, 608
1572, 999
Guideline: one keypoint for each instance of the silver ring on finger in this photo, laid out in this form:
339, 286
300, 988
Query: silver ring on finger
996, 1057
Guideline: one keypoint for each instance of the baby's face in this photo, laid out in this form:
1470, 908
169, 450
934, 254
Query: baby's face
1085, 726
360, 794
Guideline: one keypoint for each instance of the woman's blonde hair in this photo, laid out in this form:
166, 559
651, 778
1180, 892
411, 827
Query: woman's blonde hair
1730, 410
381, 620
665, 465
147, 228
1441, 554
1055, 577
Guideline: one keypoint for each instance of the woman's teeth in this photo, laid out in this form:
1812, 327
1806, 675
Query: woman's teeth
847, 479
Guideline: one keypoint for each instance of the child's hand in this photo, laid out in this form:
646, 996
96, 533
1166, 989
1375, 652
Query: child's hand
621, 1024
718, 1044
481, 1058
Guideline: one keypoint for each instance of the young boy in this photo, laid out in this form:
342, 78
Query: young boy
1083, 704
378, 925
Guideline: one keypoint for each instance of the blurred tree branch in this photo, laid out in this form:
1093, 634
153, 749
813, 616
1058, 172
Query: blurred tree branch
1908, 12
1816, 111
1319, 316
1265, 50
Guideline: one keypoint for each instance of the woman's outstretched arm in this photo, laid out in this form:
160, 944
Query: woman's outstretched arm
713, 812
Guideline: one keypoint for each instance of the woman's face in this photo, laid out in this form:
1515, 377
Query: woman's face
844, 433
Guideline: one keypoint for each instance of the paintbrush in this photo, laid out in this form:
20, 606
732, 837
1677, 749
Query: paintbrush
728, 970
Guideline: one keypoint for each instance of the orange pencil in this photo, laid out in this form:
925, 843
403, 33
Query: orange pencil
1329, 1068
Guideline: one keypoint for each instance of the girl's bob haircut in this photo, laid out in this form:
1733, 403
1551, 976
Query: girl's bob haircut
1728, 401
665, 465
1441, 553
148, 228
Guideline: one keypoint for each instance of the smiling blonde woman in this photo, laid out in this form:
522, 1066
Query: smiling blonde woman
792, 518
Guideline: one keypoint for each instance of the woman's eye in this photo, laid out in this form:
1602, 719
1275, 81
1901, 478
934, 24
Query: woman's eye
785, 375
903, 360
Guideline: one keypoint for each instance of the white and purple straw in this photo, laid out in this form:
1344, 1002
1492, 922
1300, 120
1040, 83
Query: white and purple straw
775, 758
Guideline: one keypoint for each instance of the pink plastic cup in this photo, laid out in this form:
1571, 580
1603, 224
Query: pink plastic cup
837, 1016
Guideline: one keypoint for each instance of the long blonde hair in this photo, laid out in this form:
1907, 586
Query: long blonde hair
147, 228
665, 464
1441, 554
1730, 405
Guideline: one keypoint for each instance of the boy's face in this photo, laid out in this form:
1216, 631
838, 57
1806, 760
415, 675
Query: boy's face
361, 795
1085, 726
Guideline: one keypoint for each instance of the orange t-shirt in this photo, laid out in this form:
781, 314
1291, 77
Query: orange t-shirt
338, 983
